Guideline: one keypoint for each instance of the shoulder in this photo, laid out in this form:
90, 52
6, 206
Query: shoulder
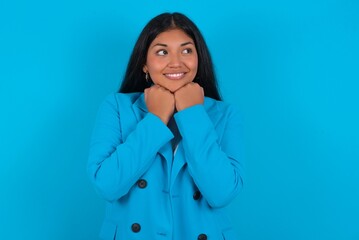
116, 100
219, 107
222, 113
113, 102
122, 98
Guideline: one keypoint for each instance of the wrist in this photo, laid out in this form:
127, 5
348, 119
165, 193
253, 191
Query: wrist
183, 107
164, 119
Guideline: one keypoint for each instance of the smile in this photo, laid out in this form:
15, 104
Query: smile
174, 76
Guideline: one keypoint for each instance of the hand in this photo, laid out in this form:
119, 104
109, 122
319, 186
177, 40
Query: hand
160, 102
189, 95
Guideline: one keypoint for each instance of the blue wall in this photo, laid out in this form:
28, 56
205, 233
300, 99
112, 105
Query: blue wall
290, 66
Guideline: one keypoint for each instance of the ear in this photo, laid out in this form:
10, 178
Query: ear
145, 69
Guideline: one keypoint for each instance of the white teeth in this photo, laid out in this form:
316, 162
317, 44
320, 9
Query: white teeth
174, 75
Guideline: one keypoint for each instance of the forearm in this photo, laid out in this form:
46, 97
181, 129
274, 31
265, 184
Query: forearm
115, 163
215, 166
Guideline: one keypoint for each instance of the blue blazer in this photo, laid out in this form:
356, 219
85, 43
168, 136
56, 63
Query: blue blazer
154, 193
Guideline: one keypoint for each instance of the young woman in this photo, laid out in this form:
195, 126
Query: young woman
166, 151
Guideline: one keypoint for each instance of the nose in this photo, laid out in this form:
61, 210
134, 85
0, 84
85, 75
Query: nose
175, 61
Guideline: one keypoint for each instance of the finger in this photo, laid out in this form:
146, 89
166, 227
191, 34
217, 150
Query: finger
195, 84
180, 89
146, 94
155, 86
165, 89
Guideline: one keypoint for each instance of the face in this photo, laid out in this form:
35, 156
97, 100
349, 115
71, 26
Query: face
172, 60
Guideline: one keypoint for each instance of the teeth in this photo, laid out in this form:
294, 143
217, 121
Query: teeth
174, 75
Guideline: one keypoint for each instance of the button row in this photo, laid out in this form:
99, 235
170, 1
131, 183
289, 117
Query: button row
142, 183
136, 227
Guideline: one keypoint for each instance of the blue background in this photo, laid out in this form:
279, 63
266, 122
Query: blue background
290, 66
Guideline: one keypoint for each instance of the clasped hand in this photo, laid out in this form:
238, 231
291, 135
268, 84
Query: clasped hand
162, 103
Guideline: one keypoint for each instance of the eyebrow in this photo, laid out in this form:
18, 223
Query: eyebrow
186, 43
165, 45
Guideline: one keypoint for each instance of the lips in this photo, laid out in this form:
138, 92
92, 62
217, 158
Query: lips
175, 76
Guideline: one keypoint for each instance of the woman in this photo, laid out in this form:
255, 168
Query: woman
165, 151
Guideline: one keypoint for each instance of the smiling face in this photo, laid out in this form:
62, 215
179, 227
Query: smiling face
172, 60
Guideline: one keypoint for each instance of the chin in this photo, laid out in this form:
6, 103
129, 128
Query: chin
177, 86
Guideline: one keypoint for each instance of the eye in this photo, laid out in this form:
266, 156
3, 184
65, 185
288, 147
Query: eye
161, 52
187, 51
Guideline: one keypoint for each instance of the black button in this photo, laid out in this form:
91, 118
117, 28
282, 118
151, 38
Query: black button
142, 183
202, 237
136, 227
196, 195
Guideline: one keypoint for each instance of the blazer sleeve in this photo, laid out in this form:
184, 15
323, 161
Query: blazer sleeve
115, 164
215, 164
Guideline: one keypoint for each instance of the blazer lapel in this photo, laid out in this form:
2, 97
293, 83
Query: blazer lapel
139, 107
178, 162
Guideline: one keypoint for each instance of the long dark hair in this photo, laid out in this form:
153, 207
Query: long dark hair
134, 79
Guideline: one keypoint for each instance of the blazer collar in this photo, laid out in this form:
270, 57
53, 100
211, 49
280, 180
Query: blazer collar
140, 102
139, 107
